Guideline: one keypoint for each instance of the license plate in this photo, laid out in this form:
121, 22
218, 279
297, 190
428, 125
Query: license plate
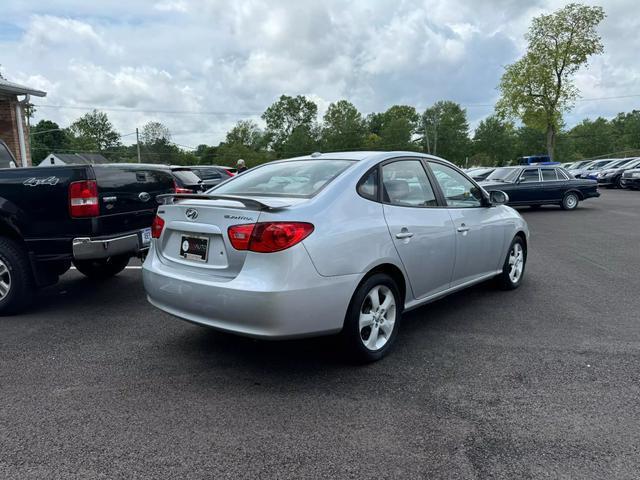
145, 235
194, 248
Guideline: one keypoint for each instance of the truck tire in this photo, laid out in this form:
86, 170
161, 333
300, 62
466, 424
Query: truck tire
102, 268
16, 279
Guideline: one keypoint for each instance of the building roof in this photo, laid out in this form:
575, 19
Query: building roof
81, 158
16, 89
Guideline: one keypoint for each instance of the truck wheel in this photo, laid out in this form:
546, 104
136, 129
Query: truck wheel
103, 267
16, 280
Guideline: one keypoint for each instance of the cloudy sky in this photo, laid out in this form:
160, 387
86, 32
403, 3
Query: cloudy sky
198, 66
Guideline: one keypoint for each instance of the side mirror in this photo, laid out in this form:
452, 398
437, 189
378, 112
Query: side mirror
498, 197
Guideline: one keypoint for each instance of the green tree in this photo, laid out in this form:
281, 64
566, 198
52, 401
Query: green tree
445, 131
395, 127
343, 127
93, 131
591, 138
47, 137
287, 115
247, 133
494, 142
540, 86
153, 132
531, 141
625, 130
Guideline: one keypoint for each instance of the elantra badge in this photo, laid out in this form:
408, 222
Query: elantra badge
191, 213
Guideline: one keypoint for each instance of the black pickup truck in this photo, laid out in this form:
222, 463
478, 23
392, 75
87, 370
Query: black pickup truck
94, 216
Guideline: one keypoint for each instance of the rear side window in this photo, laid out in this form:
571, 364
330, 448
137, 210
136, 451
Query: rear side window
295, 178
405, 183
368, 186
549, 174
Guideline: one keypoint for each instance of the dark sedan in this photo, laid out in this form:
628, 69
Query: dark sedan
631, 179
212, 175
542, 185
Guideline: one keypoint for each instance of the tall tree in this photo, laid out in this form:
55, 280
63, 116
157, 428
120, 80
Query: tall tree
285, 116
153, 132
343, 127
395, 127
445, 131
626, 131
247, 133
47, 137
494, 142
93, 131
540, 86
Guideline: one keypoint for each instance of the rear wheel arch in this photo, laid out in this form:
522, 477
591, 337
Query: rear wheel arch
394, 272
578, 193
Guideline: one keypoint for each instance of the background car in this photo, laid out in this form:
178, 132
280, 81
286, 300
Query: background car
212, 175
631, 179
593, 173
542, 185
593, 165
611, 177
481, 173
184, 179
341, 242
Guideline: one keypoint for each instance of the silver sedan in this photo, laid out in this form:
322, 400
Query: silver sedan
328, 243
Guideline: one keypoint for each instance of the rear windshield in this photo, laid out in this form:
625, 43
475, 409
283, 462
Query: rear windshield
186, 176
297, 178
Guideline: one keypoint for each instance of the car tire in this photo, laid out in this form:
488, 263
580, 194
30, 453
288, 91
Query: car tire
570, 201
514, 265
364, 318
102, 268
16, 277
618, 182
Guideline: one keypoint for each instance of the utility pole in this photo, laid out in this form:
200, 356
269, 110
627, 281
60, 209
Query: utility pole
138, 145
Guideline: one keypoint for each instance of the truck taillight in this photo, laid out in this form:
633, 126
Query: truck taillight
157, 227
83, 199
268, 237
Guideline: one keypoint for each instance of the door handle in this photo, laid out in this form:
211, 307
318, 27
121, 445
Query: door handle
463, 228
404, 233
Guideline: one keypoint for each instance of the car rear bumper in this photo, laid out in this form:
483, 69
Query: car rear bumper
288, 300
86, 248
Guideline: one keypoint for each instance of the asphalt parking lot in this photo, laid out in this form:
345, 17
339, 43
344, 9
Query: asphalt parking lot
542, 382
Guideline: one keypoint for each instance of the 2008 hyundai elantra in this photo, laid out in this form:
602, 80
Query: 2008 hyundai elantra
328, 243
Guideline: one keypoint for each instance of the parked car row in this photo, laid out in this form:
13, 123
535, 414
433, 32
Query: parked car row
336, 243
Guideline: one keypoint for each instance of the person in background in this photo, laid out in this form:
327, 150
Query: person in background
240, 165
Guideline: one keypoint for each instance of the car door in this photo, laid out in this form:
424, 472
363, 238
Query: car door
479, 228
421, 230
553, 185
528, 188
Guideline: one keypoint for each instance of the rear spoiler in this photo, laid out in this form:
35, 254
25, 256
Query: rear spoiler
250, 203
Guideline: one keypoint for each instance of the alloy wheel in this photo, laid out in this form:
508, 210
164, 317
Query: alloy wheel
5, 280
516, 262
377, 317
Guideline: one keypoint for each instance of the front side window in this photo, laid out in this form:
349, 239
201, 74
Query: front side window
295, 178
458, 190
530, 175
405, 183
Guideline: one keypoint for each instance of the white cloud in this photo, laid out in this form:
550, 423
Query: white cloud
226, 60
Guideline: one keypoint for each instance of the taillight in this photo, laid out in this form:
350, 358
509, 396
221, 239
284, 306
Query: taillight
178, 189
83, 199
268, 237
156, 227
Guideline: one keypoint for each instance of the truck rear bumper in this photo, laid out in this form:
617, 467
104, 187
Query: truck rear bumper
85, 248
